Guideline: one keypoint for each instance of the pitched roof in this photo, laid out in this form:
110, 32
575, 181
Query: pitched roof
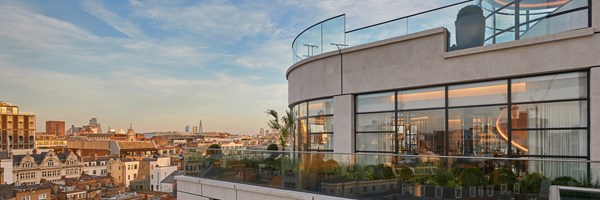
171, 177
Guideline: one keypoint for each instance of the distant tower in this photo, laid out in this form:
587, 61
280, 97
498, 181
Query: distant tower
130, 133
195, 129
187, 128
200, 127
93, 121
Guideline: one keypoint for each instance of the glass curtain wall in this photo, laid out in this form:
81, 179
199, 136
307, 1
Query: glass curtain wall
541, 116
314, 125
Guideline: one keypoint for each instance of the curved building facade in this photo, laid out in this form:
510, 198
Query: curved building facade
416, 94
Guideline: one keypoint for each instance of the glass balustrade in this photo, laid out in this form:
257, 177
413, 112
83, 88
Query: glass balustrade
389, 176
469, 23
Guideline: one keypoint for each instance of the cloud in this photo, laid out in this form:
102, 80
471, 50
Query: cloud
22, 29
211, 19
270, 54
364, 13
96, 8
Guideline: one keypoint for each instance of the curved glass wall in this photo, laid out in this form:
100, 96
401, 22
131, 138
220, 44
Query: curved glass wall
538, 116
313, 125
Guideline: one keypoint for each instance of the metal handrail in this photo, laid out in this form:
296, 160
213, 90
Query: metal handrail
408, 156
408, 16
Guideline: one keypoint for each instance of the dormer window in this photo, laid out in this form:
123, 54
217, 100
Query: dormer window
50, 163
28, 165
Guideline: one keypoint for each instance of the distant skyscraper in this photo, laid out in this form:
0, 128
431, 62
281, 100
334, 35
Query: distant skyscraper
195, 129
200, 127
17, 130
93, 121
262, 132
187, 128
55, 128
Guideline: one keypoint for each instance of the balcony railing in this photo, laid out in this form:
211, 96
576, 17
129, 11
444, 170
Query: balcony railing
391, 176
490, 22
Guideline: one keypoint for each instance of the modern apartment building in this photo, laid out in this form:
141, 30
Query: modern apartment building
489, 86
17, 130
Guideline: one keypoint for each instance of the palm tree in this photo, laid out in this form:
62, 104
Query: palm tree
284, 127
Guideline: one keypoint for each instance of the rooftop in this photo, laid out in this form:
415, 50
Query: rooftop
488, 22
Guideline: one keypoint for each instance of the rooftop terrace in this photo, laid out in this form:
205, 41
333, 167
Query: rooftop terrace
470, 24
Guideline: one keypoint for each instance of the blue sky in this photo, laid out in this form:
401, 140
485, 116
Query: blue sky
162, 65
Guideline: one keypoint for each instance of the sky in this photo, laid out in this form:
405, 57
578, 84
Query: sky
162, 65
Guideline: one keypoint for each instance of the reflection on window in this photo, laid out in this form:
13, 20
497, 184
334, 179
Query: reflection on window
550, 87
568, 114
375, 102
320, 124
320, 107
375, 122
313, 125
321, 142
421, 98
494, 92
553, 142
422, 132
379, 142
478, 131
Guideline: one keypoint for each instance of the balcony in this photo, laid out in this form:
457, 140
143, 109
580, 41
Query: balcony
469, 23
392, 176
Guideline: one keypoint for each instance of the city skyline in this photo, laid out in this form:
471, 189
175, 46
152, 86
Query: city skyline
162, 65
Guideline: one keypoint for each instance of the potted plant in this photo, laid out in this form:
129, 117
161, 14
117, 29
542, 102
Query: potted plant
470, 27
472, 178
503, 178
446, 185
532, 183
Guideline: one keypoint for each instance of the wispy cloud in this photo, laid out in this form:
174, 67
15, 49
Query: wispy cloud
97, 8
219, 61
211, 19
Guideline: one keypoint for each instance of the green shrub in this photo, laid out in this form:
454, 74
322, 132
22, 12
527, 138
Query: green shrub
565, 181
503, 176
444, 178
471, 177
532, 183
272, 147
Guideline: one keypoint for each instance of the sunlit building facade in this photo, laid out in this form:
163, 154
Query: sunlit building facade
488, 86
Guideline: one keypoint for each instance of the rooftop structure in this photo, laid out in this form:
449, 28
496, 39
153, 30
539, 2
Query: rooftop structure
478, 99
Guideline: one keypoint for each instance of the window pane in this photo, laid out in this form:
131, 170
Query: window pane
478, 131
555, 169
295, 113
320, 124
375, 142
301, 133
550, 115
375, 122
478, 93
375, 102
550, 87
422, 132
302, 109
321, 141
552, 142
421, 98
320, 107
